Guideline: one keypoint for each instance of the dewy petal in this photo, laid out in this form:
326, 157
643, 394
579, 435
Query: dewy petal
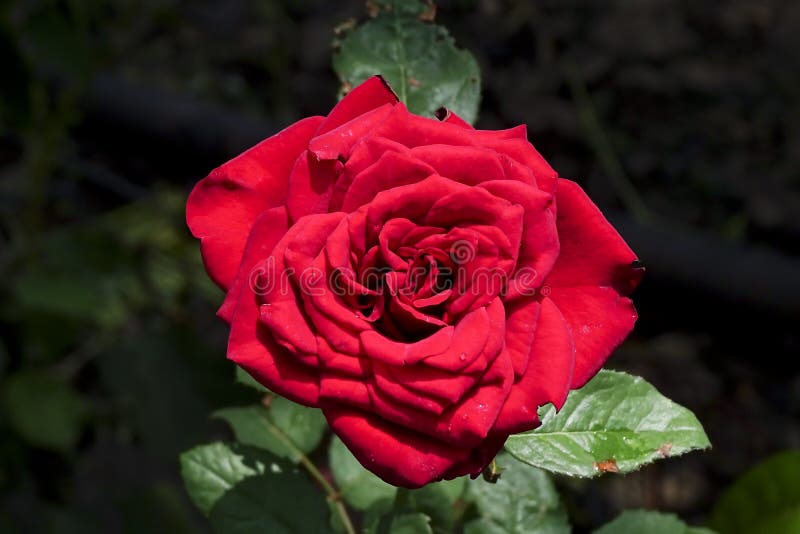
592, 252
223, 207
310, 185
548, 374
371, 94
399, 456
599, 319
392, 169
339, 141
250, 344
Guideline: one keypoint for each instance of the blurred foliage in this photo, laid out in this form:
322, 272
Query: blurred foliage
766, 499
103, 377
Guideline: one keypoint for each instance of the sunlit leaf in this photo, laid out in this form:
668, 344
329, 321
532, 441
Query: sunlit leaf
615, 423
209, 471
269, 428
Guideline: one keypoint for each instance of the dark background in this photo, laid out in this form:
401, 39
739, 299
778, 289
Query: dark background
680, 118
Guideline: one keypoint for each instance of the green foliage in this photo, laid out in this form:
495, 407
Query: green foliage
270, 428
766, 499
641, 521
209, 471
615, 423
416, 8
359, 488
279, 502
45, 411
419, 60
242, 377
411, 524
522, 501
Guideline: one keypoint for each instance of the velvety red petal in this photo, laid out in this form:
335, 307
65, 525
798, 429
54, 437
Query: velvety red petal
539, 247
310, 185
250, 344
393, 169
223, 206
445, 115
466, 164
599, 319
339, 141
521, 319
399, 456
364, 153
372, 93
592, 252
548, 376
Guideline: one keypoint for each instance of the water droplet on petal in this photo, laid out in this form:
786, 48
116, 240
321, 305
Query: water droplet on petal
462, 356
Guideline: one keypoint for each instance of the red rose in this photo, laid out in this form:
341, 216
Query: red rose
426, 284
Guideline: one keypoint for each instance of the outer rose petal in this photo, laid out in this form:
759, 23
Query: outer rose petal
600, 319
250, 344
399, 456
223, 207
369, 95
593, 273
547, 377
445, 115
592, 252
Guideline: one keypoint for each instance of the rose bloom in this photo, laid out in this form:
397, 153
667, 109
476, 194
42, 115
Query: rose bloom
426, 284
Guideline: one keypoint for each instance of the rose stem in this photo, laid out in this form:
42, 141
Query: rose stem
333, 495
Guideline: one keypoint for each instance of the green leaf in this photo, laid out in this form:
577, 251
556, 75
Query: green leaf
251, 426
615, 423
419, 60
45, 411
417, 8
639, 521
270, 428
437, 501
411, 524
244, 378
278, 503
209, 471
766, 499
359, 488
524, 500
304, 426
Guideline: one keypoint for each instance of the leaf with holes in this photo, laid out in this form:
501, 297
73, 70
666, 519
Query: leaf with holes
419, 60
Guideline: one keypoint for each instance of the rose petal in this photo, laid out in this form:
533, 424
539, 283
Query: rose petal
599, 319
222, 207
392, 169
250, 344
371, 94
399, 456
547, 378
592, 252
